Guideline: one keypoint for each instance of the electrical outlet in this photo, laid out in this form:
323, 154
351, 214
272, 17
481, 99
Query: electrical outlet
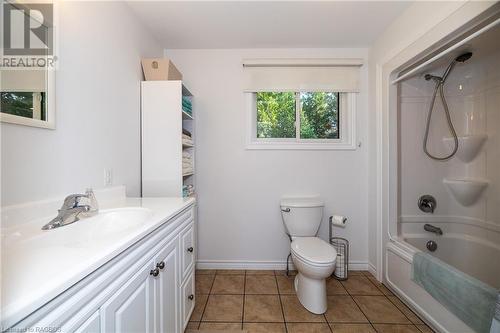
108, 177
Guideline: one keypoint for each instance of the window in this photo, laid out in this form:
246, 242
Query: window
24, 104
301, 120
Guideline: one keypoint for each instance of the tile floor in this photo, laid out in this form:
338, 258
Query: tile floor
265, 302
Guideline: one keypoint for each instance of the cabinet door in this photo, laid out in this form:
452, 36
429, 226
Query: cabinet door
187, 249
167, 289
188, 299
131, 308
91, 325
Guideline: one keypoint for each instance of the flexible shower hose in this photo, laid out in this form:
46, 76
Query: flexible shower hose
439, 86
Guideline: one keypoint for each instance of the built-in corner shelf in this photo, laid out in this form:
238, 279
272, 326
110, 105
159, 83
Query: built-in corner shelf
468, 146
466, 190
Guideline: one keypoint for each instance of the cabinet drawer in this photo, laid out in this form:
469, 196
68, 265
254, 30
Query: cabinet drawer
188, 299
187, 250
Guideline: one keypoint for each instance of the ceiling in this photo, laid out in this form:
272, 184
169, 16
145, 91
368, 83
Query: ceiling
267, 24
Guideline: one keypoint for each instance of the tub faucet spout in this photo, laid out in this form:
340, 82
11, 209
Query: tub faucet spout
431, 228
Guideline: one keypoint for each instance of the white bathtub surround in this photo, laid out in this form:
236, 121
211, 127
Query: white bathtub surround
465, 187
39, 265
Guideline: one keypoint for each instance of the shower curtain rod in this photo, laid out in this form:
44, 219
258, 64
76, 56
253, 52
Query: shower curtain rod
448, 50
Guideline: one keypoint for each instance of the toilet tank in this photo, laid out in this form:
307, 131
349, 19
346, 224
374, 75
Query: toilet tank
302, 216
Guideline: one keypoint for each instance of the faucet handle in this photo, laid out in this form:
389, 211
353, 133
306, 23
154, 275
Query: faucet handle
71, 201
89, 193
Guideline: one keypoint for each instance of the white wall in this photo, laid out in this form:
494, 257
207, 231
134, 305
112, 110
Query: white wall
239, 190
98, 105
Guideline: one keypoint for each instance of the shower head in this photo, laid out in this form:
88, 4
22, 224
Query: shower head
463, 57
428, 77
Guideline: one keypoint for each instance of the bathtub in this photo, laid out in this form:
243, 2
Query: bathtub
473, 256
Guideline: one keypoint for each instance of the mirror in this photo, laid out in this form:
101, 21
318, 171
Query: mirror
27, 81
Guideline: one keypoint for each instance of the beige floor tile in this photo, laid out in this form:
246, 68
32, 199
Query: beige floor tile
201, 301
308, 328
379, 309
334, 287
193, 325
295, 312
220, 326
231, 271
360, 285
262, 308
264, 327
224, 308
260, 272
204, 284
352, 328
388, 328
380, 286
290, 273
353, 273
424, 329
205, 271
285, 284
228, 285
343, 309
407, 312
261, 284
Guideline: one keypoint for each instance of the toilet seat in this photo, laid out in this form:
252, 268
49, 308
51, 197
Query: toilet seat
314, 251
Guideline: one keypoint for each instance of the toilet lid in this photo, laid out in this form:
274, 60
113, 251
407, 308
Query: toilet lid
314, 250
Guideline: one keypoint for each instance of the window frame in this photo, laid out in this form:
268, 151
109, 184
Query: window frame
347, 128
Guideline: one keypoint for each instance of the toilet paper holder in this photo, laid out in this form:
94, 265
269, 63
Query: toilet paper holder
341, 245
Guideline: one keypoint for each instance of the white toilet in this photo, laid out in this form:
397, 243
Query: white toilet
313, 258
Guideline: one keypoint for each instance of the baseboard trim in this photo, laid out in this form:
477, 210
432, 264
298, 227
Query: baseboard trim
372, 269
267, 265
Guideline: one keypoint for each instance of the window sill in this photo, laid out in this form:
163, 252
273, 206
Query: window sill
300, 146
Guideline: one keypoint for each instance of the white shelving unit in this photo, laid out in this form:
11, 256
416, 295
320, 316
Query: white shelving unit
162, 121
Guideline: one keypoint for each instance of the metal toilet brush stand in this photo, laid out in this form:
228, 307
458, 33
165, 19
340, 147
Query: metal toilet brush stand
341, 245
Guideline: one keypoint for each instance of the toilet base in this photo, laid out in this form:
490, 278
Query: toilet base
311, 293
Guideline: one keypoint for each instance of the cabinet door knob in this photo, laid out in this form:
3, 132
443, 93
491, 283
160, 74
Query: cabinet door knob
155, 272
191, 297
190, 249
160, 265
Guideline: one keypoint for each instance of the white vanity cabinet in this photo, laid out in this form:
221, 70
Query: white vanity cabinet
147, 288
131, 308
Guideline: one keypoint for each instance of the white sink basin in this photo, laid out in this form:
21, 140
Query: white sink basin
104, 226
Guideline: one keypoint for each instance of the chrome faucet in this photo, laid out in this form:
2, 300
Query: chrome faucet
431, 228
72, 210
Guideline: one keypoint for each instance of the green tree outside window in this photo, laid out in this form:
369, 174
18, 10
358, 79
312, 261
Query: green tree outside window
277, 112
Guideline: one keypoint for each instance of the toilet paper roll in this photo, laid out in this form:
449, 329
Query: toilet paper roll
338, 220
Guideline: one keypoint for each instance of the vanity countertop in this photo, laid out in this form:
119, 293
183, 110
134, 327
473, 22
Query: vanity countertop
39, 265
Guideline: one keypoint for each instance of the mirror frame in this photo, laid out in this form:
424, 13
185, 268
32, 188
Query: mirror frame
50, 123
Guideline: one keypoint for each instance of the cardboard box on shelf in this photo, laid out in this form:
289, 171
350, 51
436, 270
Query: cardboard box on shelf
160, 69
